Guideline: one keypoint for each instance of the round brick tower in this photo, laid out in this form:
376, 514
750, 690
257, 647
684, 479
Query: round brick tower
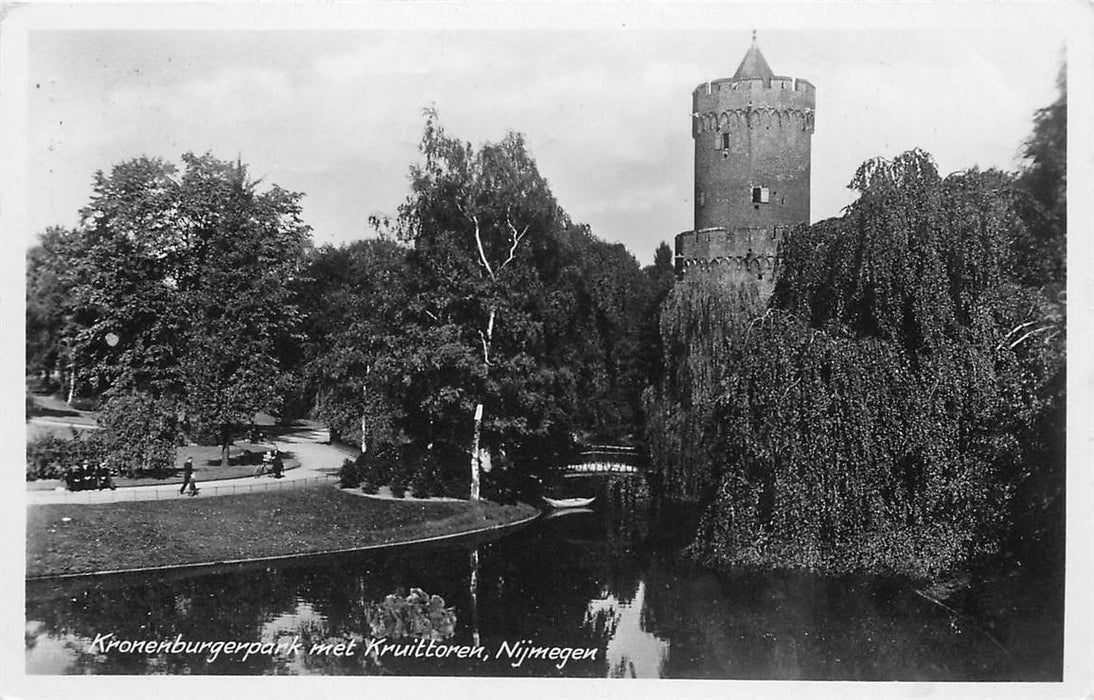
753, 140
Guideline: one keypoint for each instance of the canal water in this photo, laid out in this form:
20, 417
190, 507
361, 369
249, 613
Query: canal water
593, 579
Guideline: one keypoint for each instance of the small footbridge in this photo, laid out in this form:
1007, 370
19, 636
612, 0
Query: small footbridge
617, 472
605, 460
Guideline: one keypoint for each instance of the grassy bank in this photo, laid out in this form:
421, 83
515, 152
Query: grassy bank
114, 536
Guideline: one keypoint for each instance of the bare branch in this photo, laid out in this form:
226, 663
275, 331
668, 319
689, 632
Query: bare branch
1014, 330
514, 239
1029, 335
478, 242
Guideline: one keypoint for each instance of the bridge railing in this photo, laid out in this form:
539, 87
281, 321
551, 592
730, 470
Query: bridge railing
609, 450
592, 468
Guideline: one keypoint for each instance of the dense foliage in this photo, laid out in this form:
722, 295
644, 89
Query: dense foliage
50, 456
49, 306
178, 285
140, 433
700, 318
1042, 251
349, 300
882, 414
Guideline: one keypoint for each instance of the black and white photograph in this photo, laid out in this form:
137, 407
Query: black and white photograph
462, 348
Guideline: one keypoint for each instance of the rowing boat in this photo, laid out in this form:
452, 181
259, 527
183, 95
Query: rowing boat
569, 502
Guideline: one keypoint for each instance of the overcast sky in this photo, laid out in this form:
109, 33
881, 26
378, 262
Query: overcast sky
604, 103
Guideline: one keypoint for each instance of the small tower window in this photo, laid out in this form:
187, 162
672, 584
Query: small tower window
724, 140
760, 195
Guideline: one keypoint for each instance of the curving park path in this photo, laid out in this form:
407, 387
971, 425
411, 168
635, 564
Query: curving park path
309, 444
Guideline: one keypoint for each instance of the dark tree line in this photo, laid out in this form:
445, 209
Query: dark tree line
481, 315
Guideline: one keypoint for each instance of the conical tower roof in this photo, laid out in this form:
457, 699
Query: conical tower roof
753, 65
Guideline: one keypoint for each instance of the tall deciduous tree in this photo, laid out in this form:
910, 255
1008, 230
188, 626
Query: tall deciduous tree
181, 286
470, 218
245, 247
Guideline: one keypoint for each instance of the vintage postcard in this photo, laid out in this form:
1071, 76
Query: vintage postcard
481, 348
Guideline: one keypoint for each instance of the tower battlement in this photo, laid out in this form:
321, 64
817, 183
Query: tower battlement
777, 82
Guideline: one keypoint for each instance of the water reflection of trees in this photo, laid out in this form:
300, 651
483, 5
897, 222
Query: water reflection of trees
799, 626
316, 602
554, 575
211, 607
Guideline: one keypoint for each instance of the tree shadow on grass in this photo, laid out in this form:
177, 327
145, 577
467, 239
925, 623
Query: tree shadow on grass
37, 411
246, 457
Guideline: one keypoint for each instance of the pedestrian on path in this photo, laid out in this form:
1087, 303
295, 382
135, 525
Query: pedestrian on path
264, 468
278, 465
188, 477
104, 477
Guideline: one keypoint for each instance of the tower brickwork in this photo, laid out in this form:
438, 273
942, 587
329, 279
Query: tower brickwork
753, 144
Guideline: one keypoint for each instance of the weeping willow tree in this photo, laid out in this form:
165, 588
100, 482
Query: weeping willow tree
702, 319
872, 418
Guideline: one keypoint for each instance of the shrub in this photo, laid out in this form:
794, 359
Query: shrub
49, 456
372, 470
349, 476
398, 483
426, 479
141, 433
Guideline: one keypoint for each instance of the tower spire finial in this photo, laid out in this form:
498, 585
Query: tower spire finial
753, 64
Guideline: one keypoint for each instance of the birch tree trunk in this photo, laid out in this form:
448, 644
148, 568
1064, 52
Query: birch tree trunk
474, 588
476, 457
475, 460
72, 381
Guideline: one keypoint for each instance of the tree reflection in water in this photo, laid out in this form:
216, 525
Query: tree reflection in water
632, 651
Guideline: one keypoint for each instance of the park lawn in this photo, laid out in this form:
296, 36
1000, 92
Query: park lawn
142, 534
